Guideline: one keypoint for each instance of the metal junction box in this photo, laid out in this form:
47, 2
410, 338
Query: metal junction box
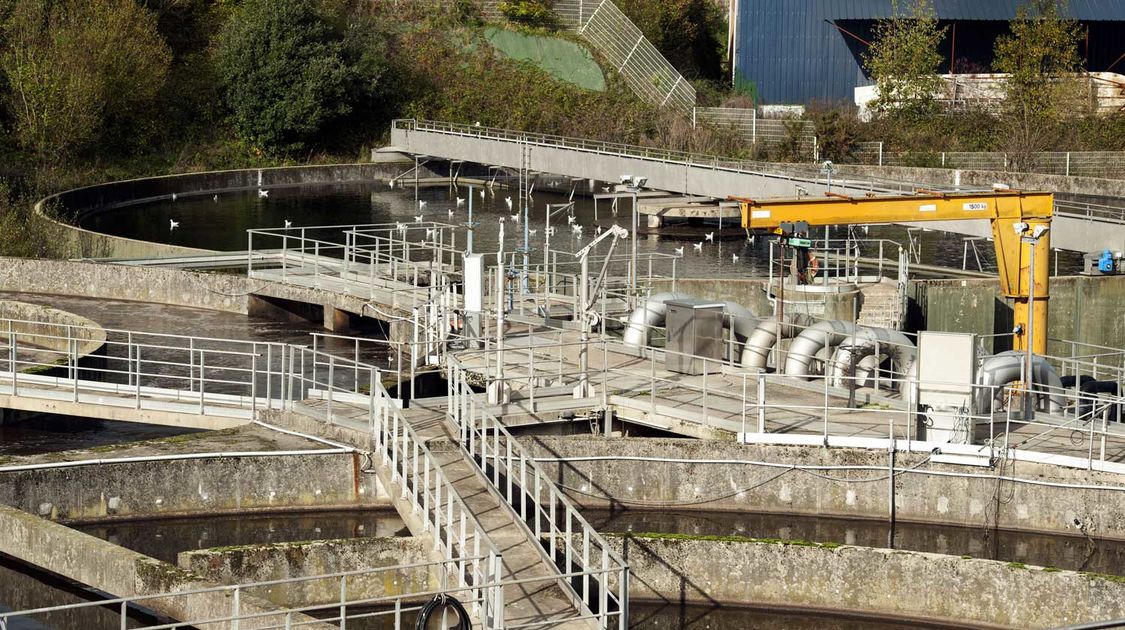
695, 336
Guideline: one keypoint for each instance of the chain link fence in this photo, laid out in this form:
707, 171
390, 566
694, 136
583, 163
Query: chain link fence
1109, 164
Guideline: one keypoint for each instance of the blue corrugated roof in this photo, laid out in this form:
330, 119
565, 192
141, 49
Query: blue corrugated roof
793, 51
1088, 10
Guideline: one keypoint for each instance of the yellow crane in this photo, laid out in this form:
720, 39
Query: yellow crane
1020, 230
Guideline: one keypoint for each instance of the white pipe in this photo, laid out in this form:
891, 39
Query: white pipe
756, 352
811, 341
644, 317
305, 435
858, 351
1007, 367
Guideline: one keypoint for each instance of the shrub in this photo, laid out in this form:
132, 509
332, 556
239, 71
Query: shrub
79, 71
290, 69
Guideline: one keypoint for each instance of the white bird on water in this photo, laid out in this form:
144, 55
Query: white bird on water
263, 193
734, 258
173, 225
679, 251
577, 229
482, 193
401, 227
508, 200
710, 236
391, 183
698, 246
570, 219
516, 218
532, 232
598, 231
451, 213
418, 219
215, 198
288, 223
173, 196
421, 205
460, 202
430, 232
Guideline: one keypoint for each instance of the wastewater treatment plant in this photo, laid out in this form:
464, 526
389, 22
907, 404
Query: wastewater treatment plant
656, 340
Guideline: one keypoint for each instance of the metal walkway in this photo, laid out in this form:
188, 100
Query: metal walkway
1074, 229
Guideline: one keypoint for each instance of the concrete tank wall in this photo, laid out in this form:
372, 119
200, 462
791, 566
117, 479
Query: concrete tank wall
857, 579
282, 561
192, 486
919, 497
72, 204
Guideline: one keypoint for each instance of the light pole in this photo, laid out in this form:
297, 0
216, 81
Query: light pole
633, 184
1032, 241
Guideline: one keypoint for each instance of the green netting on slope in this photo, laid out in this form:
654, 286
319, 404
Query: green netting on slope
562, 59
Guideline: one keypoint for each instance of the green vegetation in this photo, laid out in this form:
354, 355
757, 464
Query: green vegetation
691, 34
1038, 54
291, 69
731, 539
904, 61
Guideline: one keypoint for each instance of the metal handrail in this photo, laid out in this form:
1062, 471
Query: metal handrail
508, 459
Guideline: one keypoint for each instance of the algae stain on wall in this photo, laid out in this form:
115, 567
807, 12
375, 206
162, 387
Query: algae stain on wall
562, 59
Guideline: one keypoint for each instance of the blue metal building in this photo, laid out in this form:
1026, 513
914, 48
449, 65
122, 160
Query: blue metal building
800, 51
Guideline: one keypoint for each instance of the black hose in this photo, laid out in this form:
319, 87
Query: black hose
439, 602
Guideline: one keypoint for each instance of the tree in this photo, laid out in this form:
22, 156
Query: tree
904, 60
290, 69
1038, 54
79, 71
689, 33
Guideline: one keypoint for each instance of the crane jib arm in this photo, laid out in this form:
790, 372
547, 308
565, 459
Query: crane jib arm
1005, 210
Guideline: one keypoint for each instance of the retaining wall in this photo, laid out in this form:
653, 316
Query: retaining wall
882, 581
280, 561
122, 572
918, 497
984, 179
42, 326
192, 486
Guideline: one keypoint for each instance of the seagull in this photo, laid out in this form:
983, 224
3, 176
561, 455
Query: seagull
710, 236
418, 219
679, 251
577, 229
460, 202
508, 200
598, 231
570, 219
391, 183
605, 189
451, 213
263, 193
173, 225
482, 193
215, 198
533, 232
734, 258
401, 227
288, 223
173, 196
421, 205
698, 246
430, 232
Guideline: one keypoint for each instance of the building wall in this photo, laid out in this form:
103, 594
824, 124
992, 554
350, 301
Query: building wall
794, 51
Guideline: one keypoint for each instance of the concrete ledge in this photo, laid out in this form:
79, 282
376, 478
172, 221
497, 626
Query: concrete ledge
182, 487
42, 326
881, 581
124, 573
968, 500
280, 561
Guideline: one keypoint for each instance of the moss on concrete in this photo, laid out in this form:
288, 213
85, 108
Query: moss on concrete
731, 539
